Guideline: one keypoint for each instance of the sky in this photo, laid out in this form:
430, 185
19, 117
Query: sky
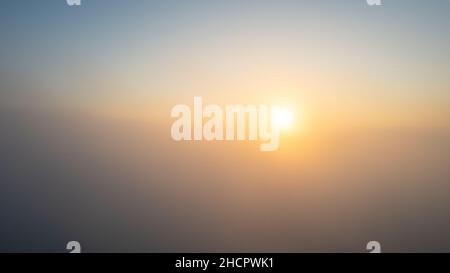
327, 54
86, 153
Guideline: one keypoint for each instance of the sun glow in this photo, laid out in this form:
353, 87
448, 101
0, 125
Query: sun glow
283, 118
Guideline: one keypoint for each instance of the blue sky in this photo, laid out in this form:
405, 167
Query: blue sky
145, 50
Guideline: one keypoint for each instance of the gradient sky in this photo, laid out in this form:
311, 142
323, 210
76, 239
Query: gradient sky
338, 59
85, 147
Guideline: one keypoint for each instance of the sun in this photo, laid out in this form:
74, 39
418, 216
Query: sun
283, 118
